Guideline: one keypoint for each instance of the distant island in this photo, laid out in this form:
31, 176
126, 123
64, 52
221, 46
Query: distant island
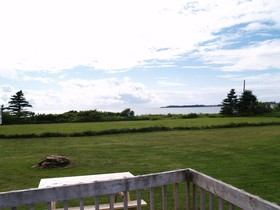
190, 106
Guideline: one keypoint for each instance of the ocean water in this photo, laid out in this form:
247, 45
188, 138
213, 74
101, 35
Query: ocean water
185, 110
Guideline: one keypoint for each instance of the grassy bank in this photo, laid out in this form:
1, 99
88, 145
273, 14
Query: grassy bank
246, 157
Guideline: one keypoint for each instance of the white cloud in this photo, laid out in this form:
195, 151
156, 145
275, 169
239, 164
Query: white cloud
6, 89
197, 67
44, 80
112, 35
257, 26
114, 94
188, 97
81, 94
6, 92
52, 36
168, 83
231, 76
261, 56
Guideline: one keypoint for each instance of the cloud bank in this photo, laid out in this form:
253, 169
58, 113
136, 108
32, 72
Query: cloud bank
43, 43
57, 35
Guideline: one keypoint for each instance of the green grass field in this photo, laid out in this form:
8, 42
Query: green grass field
97, 126
246, 157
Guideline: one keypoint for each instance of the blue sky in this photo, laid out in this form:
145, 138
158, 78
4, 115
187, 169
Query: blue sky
110, 55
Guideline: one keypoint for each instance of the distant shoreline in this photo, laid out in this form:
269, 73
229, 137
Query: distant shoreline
190, 106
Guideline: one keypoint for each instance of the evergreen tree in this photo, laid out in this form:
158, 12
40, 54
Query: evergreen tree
17, 105
229, 104
248, 103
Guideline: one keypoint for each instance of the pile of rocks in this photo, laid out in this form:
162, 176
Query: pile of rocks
54, 161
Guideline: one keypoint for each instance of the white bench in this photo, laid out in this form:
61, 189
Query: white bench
72, 180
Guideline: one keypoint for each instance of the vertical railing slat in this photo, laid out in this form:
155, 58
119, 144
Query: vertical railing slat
221, 204
231, 206
188, 196
164, 198
82, 204
152, 198
194, 197
96, 202
176, 196
211, 201
139, 206
112, 201
125, 200
49, 205
202, 199
65, 204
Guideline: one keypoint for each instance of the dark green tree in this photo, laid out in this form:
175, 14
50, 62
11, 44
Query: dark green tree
127, 113
229, 104
248, 103
17, 105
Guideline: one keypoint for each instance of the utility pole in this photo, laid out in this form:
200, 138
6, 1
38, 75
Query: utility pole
1, 111
0, 115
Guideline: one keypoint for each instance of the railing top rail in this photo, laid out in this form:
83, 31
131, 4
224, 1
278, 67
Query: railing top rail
44, 195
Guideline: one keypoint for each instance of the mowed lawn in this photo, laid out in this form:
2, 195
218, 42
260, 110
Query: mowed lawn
99, 126
246, 157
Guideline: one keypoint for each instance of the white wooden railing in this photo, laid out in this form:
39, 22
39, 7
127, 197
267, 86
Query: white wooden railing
190, 190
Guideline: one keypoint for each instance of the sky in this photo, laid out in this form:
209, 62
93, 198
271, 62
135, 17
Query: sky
110, 55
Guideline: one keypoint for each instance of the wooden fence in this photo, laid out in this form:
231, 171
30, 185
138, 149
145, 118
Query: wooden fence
190, 190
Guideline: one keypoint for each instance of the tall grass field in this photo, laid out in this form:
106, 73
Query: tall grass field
247, 157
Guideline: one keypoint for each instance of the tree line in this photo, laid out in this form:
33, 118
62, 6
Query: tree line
245, 105
16, 113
